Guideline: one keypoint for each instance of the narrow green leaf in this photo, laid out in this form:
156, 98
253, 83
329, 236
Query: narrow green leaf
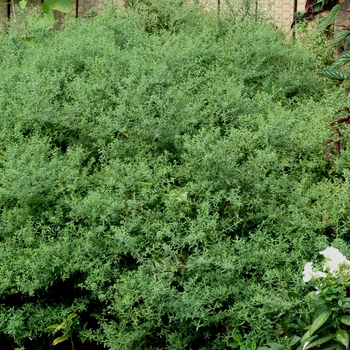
307, 341
320, 320
345, 319
343, 337
60, 326
343, 59
71, 316
148, 184
332, 346
59, 340
341, 36
276, 346
306, 316
320, 341
305, 336
339, 347
294, 340
332, 74
329, 19
293, 295
53, 326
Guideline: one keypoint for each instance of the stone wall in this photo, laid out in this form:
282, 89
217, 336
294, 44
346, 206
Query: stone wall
3, 10
281, 10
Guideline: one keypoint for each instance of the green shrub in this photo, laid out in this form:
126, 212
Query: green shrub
165, 185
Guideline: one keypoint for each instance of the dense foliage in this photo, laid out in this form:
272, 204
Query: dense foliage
164, 177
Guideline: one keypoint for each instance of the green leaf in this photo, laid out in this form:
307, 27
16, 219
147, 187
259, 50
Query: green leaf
276, 346
293, 295
306, 316
343, 337
347, 44
312, 296
343, 59
59, 340
148, 184
71, 316
46, 9
59, 327
53, 326
332, 74
63, 324
319, 341
329, 19
320, 320
332, 346
23, 4
304, 343
294, 340
305, 336
341, 36
345, 319
65, 6
48, 18
238, 338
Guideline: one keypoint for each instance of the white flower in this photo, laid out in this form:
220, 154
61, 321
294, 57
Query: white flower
309, 274
334, 258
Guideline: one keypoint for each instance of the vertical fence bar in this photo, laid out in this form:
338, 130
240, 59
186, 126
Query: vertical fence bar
295, 9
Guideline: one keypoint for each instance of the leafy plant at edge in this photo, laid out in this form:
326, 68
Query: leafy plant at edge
326, 323
47, 7
312, 8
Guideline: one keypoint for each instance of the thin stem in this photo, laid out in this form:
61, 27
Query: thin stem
71, 340
256, 10
13, 8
